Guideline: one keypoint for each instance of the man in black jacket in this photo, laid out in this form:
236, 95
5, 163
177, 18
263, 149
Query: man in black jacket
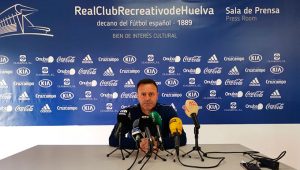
147, 95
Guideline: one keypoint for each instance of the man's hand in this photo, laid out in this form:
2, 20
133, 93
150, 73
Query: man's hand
144, 144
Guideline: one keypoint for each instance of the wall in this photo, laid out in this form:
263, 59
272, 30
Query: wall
270, 139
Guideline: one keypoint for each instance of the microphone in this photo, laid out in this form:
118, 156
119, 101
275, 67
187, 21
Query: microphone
156, 119
123, 126
175, 126
148, 134
123, 120
191, 110
144, 124
136, 132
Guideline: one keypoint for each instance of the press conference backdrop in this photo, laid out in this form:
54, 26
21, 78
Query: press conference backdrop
78, 62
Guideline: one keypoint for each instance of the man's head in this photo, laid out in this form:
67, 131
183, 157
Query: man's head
147, 94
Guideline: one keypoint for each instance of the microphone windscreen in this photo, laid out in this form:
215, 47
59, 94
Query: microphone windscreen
124, 119
136, 123
123, 116
145, 121
175, 125
156, 118
136, 133
191, 107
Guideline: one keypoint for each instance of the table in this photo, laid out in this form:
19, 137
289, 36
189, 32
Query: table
93, 157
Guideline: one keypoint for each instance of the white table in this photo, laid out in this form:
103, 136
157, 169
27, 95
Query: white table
93, 157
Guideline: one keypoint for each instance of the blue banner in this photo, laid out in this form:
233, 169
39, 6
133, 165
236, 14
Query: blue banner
78, 62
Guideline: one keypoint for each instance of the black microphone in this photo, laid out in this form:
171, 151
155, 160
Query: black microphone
148, 134
145, 123
150, 143
136, 132
123, 122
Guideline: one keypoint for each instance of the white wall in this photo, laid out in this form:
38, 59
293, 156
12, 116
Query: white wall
268, 139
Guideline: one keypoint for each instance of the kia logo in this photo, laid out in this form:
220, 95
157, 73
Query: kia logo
213, 107
150, 71
3, 59
171, 82
67, 95
45, 83
23, 71
129, 59
255, 58
192, 94
88, 108
276, 69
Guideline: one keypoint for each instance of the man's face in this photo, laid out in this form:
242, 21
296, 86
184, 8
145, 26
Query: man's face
147, 96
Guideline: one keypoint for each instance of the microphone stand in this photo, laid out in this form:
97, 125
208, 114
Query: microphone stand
156, 155
161, 147
196, 147
169, 153
149, 154
136, 156
176, 150
120, 148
